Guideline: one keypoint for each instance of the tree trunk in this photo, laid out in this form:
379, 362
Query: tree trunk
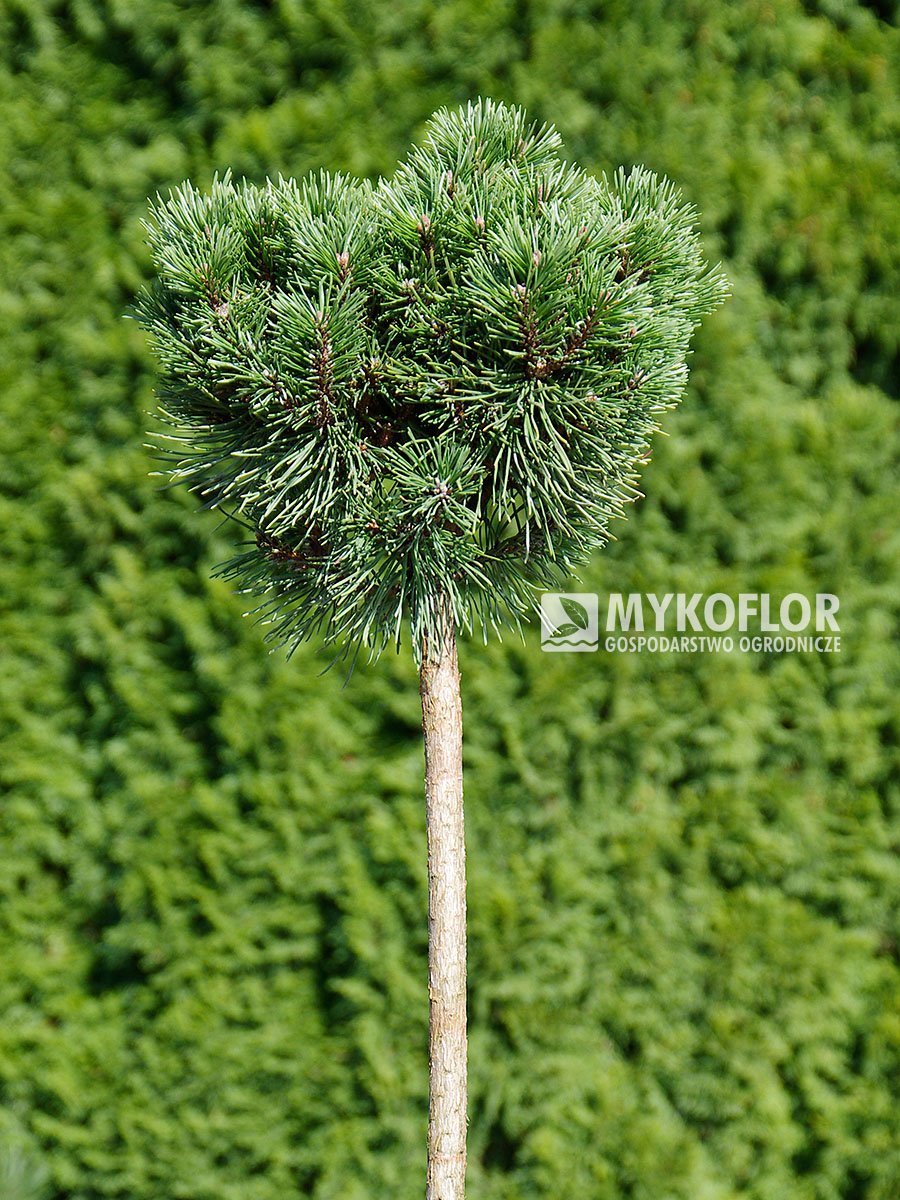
442, 723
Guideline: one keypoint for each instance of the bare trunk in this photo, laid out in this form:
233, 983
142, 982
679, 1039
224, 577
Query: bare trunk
442, 723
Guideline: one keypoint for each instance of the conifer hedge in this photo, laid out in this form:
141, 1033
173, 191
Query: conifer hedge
212, 863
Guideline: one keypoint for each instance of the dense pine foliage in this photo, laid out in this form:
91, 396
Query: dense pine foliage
684, 881
435, 390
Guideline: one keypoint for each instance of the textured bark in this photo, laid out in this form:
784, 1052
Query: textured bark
442, 723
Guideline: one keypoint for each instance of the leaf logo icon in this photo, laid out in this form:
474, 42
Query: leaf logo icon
569, 623
576, 612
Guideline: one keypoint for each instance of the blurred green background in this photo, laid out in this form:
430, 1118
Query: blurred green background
684, 871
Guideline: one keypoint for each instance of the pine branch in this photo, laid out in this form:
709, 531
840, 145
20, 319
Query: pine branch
446, 379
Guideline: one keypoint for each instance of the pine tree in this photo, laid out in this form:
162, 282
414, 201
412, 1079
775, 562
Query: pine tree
426, 398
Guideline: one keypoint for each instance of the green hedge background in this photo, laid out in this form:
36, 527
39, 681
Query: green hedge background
684, 870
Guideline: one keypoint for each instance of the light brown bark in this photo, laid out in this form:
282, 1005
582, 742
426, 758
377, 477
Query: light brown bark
442, 724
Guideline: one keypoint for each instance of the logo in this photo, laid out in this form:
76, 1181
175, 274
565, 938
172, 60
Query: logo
569, 622
688, 624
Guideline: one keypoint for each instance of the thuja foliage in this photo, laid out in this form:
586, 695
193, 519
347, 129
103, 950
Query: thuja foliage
685, 882
442, 384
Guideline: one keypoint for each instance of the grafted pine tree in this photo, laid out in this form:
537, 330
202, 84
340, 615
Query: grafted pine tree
427, 397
